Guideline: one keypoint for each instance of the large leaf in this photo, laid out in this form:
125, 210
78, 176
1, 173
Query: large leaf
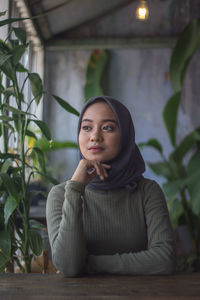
152, 143
94, 73
8, 70
4, 58
66, 105
187, 44
2, 13
17, 53
43, 127
36, 86
11, 20
13, 109
6, 165
35, 241
49, 178
40, 157
186, 145
175, 210
21, 68
172, 188
9, 155
36, 225
170, 113
5, 246
9, 91
9, 184
9, 208
20, 34
193, 181
31, 134
162, 169
46, 146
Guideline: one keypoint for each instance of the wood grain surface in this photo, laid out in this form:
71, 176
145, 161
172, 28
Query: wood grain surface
55, 287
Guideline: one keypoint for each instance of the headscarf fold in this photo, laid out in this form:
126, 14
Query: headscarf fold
127, 167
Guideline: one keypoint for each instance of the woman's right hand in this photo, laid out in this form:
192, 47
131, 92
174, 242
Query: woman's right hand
88, 169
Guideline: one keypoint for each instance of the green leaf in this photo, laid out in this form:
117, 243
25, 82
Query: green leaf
4, 47
14, 43
36, 86
41, 158
49, 178
187, 43
186, 145
6, 165
5, 249
2, 13
8, 70
14, 110
152, 143
36, 225
96, 66
46, 146
21, 68
9, 91
6, 118
43, 127
170, 113
175, 211
20, 34
35, 241
4, 58
172, 188
9, 184
193, 180
9, 155
17, 53
11, 20
31, 134
66, 105
9, 208
162, 169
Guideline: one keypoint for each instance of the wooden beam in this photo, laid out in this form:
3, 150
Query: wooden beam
42, 26
109, 43
109, 12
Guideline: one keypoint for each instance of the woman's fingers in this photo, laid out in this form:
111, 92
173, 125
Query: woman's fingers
101, 170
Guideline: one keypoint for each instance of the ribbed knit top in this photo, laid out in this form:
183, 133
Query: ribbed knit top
114, 232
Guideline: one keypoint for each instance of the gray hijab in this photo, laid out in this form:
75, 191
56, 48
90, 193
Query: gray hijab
127, 167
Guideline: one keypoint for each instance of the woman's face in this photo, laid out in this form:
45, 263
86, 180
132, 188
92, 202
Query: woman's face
99, 136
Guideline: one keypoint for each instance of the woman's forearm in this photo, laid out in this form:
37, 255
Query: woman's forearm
65, 228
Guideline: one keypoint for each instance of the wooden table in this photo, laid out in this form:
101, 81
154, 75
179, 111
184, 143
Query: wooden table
55, 287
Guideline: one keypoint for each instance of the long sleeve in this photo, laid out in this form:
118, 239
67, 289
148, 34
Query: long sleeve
65, 228
159, 258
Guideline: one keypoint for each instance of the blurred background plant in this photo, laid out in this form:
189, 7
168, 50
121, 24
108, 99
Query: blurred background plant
21, 160
181, 169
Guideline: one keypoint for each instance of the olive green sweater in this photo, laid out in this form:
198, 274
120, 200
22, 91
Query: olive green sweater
115, 232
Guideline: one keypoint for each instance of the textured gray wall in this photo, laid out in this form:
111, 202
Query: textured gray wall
137, 77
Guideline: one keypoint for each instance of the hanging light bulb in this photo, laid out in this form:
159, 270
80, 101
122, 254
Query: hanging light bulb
142, 12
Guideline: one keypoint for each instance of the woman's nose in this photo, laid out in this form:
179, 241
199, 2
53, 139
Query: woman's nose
96, 136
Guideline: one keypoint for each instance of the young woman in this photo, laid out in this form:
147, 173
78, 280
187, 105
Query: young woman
108, 218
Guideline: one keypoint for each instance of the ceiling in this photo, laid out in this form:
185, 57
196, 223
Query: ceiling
62, 16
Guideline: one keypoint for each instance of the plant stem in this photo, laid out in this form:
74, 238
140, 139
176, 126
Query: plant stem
22, 120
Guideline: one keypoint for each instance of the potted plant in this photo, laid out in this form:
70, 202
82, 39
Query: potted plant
181, 186
20, 237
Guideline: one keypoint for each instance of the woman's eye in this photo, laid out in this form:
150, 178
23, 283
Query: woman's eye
86, 128
108, 128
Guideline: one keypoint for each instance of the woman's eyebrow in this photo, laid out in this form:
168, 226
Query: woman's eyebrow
104, 120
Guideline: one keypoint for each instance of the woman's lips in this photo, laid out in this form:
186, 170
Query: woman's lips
96, 149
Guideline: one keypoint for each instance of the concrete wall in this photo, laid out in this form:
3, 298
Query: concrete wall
137, 77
